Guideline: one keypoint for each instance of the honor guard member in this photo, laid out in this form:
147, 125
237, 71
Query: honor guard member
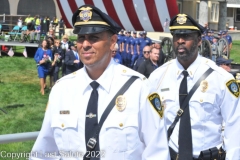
229, 39
134, 48
142, 42
214, 47
198, 96
220, 34
119, 40
124, 47
101, 111
129, 49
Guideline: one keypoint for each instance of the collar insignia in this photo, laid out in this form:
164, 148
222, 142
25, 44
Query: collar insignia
85, 13
182, 18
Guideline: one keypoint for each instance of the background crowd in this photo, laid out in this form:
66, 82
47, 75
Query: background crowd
37, 27
134, 50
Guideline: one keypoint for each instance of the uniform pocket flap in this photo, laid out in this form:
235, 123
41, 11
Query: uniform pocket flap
165, 96
203, 98
122, 121
64, 121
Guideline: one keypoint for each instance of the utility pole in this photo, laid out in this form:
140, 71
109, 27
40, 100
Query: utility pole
222, 20
203, 12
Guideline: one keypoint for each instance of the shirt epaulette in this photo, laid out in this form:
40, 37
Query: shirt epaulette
129, 72
164, 65
216, 68
69, 76
167, 63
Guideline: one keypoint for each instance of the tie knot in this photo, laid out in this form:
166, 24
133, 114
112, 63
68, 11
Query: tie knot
185, 73
94, 85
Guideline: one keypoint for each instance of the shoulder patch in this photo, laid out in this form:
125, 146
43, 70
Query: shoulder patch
154, 100
233, 87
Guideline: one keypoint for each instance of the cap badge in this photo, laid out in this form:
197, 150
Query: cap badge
182, 18
204, 85
121, 103
85, 13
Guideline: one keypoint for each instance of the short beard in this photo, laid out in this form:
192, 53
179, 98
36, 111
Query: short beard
189, 53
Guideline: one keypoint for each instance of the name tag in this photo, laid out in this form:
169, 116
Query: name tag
64, 112
164, 89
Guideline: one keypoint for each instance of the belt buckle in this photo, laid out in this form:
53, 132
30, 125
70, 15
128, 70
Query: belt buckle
92, 143
180, 112
177, 157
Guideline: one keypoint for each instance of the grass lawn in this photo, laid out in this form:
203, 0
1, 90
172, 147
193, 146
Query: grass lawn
235, 52
21, 99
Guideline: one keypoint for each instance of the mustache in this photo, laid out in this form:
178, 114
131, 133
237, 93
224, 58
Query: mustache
181, 46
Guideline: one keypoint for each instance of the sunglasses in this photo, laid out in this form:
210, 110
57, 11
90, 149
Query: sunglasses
146, 51
114, 51
228, 64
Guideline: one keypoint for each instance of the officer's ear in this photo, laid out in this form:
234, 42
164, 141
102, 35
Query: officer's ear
113, 41
199, 40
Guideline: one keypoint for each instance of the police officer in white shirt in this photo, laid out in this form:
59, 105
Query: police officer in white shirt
104, 110
197, 96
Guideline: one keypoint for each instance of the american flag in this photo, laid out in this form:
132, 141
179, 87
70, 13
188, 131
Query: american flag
138, 15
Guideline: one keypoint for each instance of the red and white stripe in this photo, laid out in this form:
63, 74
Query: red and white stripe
139, 15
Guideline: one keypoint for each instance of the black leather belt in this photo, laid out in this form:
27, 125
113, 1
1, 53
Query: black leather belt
174, 155
209, 154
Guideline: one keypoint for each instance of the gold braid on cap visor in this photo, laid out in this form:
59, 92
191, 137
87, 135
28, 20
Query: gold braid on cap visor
183, 27
91, 22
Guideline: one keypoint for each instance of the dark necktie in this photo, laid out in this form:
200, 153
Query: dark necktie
185, 134
91, 122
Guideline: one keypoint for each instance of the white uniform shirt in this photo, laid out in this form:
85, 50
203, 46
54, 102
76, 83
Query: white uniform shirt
207, 109
133, 134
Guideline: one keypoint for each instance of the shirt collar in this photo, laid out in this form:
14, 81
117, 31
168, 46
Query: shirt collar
105, 80
191, 69
75, 52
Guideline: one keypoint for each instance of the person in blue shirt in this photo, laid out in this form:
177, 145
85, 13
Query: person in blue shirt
220, 34
209, 36
43, 59
229, 39
120, 39
203, 35
115, 54
214, 47
144, 41
124, 48
129, 50
134, 48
